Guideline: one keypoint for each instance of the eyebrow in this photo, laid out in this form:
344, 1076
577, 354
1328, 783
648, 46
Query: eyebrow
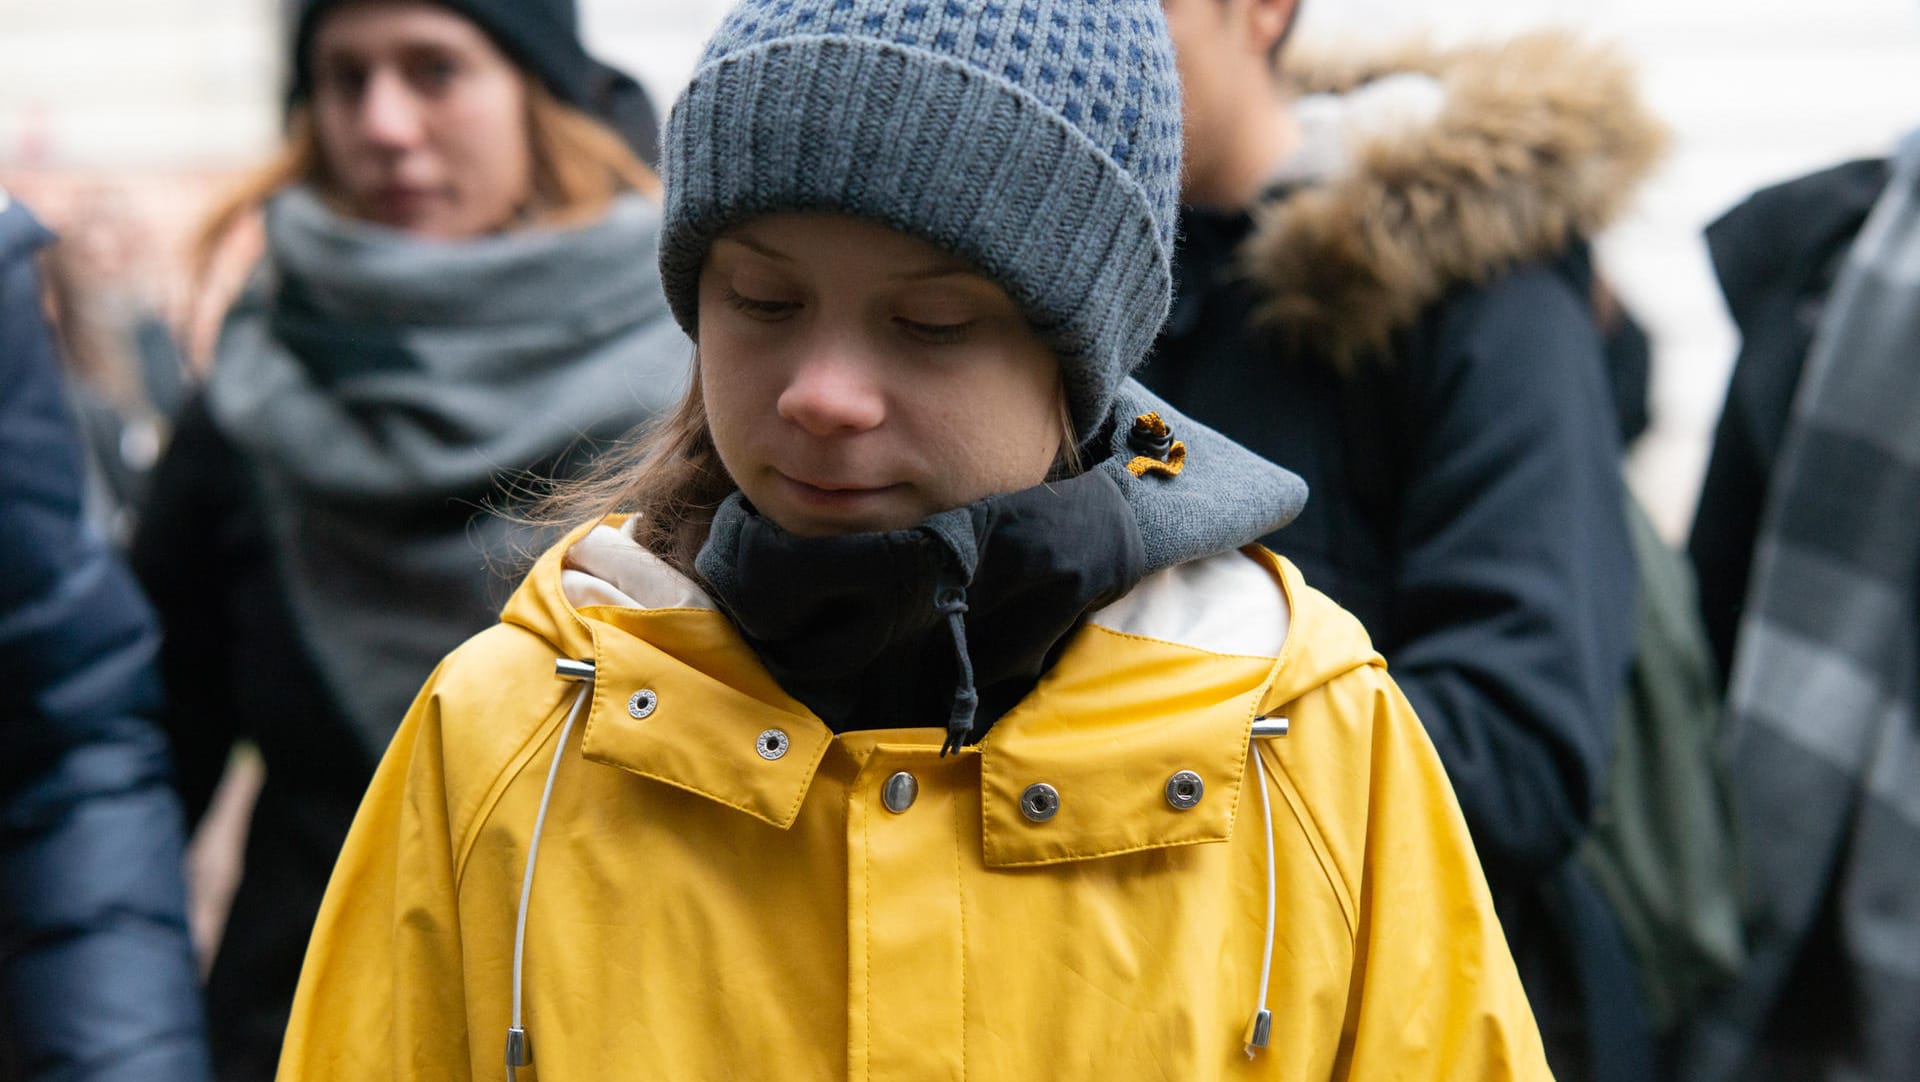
950, 269
747, 242
946, 267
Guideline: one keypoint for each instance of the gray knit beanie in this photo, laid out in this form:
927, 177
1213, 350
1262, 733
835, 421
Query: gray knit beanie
1038, 139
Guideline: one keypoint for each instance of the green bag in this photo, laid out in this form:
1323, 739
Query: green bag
1663, 841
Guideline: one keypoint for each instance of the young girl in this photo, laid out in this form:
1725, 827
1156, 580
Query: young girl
925, 717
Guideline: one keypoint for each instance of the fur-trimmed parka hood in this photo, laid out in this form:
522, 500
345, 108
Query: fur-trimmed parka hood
1423, 168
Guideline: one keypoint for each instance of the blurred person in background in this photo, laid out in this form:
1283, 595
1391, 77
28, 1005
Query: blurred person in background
458, 298
1383, 283
1809, 565
96, 974
126, 374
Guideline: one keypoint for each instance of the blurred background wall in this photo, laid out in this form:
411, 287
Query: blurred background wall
133, 112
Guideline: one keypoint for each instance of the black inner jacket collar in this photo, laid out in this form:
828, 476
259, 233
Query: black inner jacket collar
863, 628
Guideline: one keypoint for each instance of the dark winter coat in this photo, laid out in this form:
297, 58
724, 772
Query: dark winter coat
1776, 255
96, 973
233, 655
1805, 530
1415, 338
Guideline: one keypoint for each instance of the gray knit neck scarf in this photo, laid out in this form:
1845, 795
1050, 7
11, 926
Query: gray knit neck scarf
1823, 696
384, 388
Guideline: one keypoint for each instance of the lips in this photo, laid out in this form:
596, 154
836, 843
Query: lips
834, 486
818, 488
819, 507
396, 202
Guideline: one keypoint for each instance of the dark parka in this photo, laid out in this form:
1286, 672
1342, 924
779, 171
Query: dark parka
96, 973
1415, 337
1776, 255
234, 654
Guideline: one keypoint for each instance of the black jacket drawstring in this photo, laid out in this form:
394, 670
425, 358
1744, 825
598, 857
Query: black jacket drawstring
951, 602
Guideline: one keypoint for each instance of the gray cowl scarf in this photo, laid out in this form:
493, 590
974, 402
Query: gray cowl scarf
388, 392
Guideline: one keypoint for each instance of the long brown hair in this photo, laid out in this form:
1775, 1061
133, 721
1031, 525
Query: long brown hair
667, 475
579, 166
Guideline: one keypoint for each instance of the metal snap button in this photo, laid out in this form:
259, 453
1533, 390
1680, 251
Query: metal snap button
771, 744
899, 792
1185, 789
643, 703
1040, 802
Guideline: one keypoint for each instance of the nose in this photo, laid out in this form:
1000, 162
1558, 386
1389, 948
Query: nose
833, 390
390, 113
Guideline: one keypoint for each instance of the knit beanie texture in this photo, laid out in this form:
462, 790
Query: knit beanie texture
542, 36
1038, 139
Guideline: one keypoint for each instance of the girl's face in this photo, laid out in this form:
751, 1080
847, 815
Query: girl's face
421, 119
858, 379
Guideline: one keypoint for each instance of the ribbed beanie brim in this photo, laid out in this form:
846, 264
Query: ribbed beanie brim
943, 150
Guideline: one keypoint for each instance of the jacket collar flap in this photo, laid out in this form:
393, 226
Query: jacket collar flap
704, 717
1108, 729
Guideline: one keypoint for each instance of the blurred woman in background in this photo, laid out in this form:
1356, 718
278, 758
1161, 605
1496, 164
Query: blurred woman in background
458, 298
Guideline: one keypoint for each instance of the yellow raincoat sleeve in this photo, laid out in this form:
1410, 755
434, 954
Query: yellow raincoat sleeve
1434, 992
382, 992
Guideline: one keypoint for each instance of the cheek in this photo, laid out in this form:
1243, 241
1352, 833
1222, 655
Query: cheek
489, 149
1038, 386
1012, 433
716, 389
334, 132
1031, 458
733, 400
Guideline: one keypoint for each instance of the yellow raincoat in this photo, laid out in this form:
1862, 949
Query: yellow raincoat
723, 891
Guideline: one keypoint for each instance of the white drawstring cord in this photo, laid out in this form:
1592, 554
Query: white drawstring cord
519, 1049
1262, 1026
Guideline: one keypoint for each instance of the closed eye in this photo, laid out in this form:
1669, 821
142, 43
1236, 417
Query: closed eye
765, 310
936, 333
